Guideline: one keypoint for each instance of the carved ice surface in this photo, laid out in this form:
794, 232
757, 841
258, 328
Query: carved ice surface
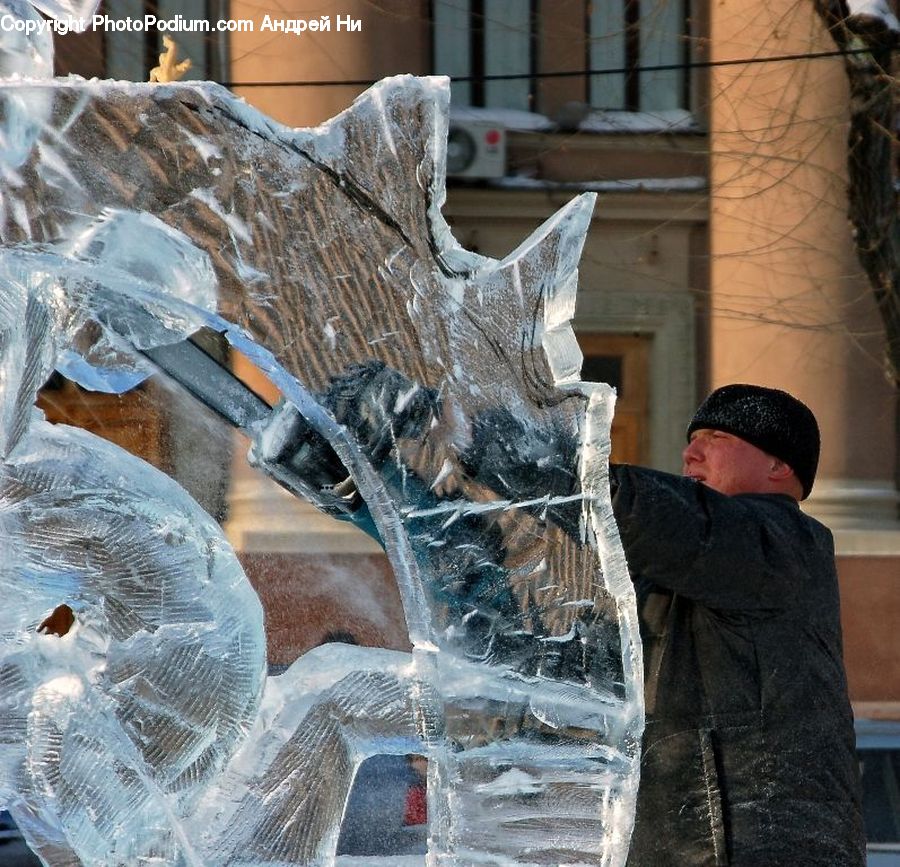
104, 735
446, 384
28, 51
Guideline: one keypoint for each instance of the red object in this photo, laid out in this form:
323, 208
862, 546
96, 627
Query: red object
415, 811
492, 136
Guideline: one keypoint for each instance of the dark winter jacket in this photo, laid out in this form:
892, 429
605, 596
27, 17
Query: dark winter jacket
748, 752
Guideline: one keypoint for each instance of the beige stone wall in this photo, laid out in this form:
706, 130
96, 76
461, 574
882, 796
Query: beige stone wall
393, 37
309, 599
870, 612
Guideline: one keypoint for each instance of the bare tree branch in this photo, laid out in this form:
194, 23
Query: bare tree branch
871, 147
870, 157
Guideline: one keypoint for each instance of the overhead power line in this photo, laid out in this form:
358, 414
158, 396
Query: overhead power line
624, 70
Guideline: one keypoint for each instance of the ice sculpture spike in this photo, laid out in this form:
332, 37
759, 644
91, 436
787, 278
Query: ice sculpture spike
446, 384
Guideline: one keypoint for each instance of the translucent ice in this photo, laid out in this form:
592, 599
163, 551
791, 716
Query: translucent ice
105, 739
64, 9
444, 385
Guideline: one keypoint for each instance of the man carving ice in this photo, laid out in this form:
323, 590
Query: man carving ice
748, 755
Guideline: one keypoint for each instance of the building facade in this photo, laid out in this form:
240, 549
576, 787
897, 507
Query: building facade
719, 249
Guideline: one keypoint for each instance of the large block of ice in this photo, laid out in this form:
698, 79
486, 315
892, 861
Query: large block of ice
446, 384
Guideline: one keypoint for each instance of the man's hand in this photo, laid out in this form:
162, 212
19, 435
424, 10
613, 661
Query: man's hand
380, 405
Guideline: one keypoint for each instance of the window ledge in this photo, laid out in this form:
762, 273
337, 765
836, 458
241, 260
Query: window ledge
867, 543
876, 710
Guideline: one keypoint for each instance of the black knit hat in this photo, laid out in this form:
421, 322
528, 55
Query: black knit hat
769, 419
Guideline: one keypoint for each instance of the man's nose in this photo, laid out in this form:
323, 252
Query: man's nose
691, 453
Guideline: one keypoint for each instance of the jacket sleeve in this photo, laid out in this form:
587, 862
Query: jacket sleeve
728, 552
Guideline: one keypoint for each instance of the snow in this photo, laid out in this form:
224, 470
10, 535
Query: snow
509, 118
874, 9
689, 183
674, 120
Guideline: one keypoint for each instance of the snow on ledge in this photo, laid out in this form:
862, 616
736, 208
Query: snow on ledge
509, 118
673, 120
878, 9
690, 183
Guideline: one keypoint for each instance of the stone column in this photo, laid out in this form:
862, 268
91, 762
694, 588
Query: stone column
790, 305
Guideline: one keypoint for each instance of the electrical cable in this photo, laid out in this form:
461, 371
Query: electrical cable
662, 67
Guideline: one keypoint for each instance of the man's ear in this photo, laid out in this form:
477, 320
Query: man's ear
786, 479
779, 470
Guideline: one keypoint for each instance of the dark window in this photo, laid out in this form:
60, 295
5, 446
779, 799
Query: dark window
14, 851
632, 35
473, 40
604, 368
386, 811
881, 794
878, 750
477, 38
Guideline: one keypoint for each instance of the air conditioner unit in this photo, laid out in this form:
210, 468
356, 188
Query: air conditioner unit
476, 149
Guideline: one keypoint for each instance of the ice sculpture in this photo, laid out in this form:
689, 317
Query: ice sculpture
429, 392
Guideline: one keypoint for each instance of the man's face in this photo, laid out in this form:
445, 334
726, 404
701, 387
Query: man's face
726, 463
